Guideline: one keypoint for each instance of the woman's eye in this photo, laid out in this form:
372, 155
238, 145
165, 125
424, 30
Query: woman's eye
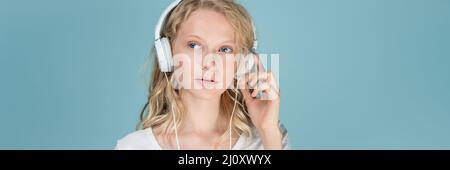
225, 50
193, 45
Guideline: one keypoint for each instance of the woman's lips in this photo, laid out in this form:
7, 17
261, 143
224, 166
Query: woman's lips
206, 81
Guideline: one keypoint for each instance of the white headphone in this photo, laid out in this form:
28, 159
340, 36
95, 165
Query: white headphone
162, 44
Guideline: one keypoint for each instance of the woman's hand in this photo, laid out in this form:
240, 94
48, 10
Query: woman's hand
264, 112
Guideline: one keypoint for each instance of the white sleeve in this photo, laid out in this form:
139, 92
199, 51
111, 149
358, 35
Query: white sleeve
119, 145
138, 140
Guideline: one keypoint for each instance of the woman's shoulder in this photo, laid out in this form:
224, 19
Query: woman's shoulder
138, 140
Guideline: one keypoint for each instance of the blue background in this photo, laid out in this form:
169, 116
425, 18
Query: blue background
355, 74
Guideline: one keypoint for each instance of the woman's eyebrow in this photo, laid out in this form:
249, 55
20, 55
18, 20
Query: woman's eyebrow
228, 41
200, 38
195, 36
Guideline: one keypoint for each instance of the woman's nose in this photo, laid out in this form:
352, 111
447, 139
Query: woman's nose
205, 68
208, 61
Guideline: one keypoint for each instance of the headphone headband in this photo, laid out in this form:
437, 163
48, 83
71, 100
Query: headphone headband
163, 17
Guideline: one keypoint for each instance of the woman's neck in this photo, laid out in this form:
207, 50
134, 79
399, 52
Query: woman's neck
202, 116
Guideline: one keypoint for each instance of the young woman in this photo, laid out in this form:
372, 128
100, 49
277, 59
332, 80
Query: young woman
209, 118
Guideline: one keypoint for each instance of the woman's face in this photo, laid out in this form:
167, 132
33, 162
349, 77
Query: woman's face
203, 54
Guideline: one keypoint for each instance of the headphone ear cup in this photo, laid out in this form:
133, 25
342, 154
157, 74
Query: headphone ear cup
167, 53
164, 54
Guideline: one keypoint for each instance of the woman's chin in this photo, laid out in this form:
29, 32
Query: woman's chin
205, 93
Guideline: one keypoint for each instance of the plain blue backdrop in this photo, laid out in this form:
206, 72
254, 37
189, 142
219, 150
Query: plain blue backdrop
355, 74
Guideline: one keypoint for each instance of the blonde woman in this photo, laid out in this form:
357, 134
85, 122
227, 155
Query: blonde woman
209, 118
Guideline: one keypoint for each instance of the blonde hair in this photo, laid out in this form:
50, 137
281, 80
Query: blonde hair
163, 97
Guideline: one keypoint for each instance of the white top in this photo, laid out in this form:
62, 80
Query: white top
146, 140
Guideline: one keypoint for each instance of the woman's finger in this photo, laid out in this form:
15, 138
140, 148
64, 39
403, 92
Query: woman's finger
263, 76
246, 80
261, 87
269, 92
